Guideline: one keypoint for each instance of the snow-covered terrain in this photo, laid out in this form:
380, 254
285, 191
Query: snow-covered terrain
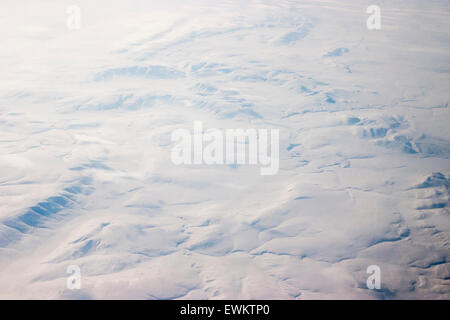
86, 177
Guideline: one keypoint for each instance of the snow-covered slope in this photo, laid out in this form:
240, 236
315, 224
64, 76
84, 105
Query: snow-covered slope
86, 178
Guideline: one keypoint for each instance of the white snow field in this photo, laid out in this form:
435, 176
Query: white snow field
86, 177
